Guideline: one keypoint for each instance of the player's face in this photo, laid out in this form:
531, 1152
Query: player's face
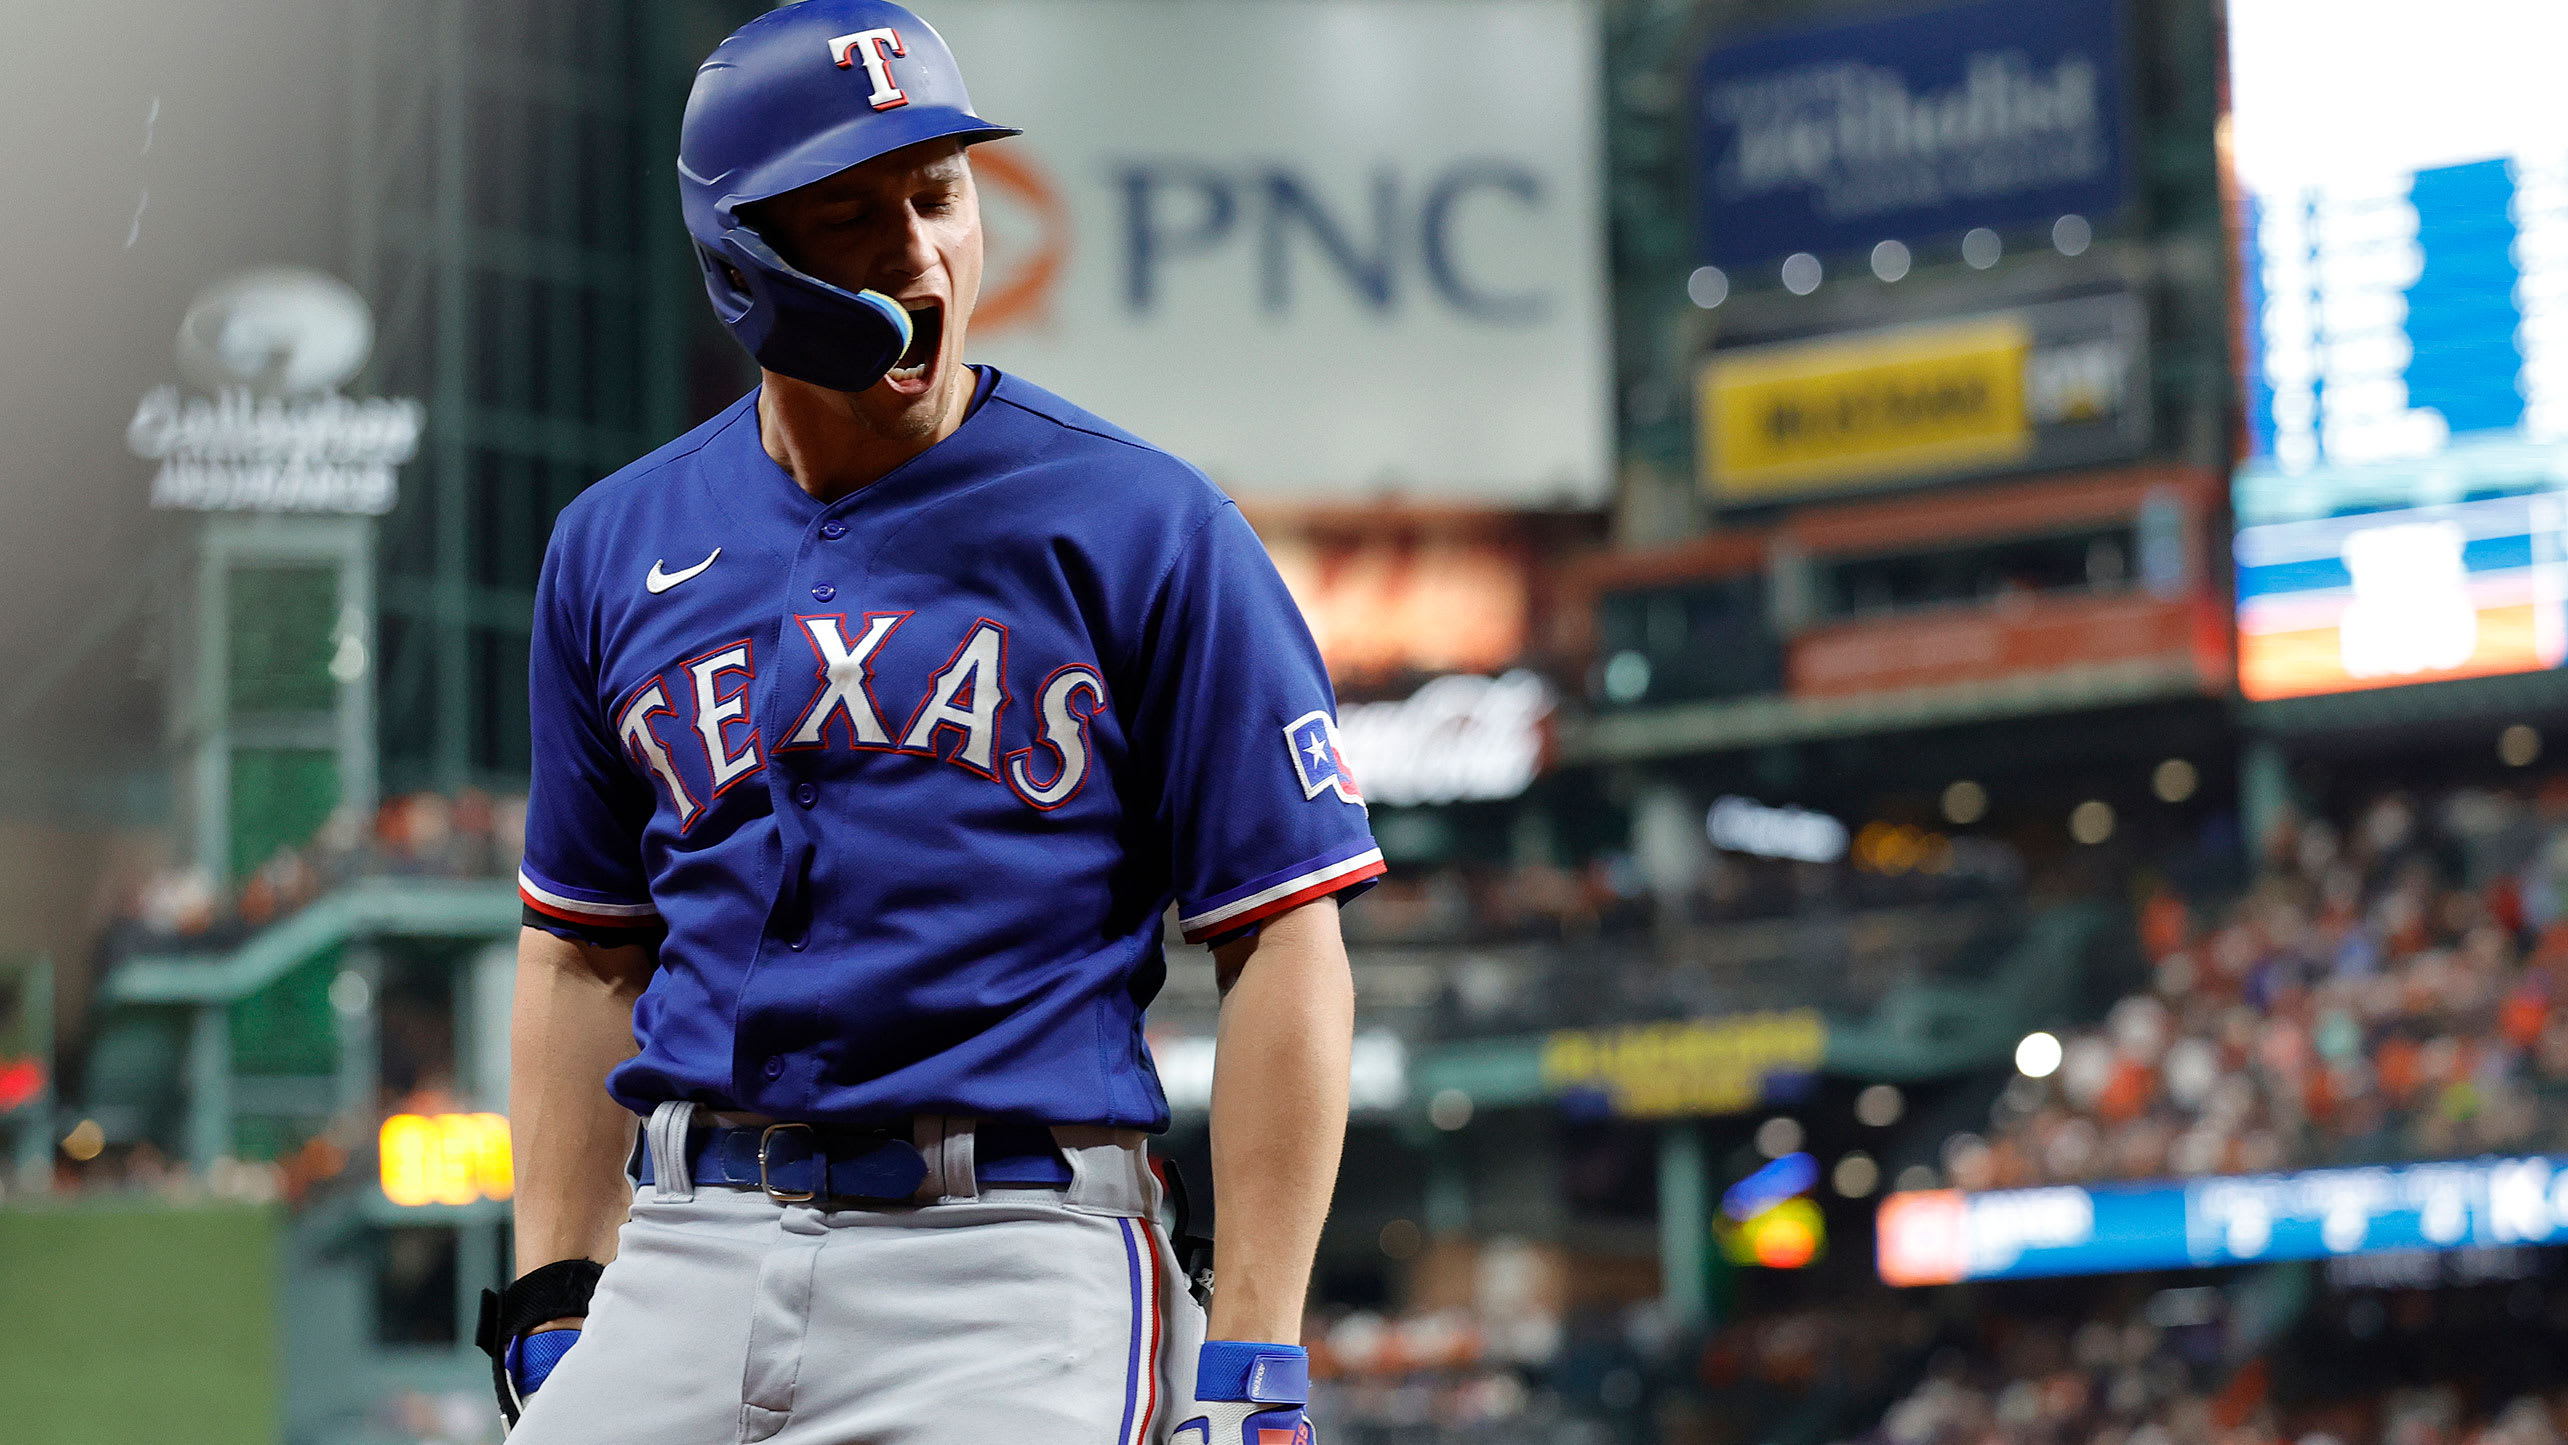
907, 224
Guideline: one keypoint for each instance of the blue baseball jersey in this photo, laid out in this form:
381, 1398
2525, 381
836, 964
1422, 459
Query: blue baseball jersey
911, 778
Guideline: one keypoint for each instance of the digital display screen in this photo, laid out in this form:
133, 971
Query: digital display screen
2403, 270
1945, 1236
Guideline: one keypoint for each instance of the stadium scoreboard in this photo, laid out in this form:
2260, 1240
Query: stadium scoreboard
2403, 287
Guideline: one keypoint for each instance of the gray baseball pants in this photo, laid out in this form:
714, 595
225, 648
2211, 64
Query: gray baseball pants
1041, 1315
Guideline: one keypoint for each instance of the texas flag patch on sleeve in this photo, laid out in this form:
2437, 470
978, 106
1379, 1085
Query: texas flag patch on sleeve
1312, 739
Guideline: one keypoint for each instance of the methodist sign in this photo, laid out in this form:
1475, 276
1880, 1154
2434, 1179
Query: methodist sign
2003, 113
1325, 248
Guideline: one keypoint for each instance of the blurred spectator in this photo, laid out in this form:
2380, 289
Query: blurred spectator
468, 835
2107, 1380
1608, 897
2390, 987
2127, 1381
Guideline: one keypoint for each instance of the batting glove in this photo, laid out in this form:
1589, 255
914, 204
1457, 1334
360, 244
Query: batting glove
521, 1357
1248, 1394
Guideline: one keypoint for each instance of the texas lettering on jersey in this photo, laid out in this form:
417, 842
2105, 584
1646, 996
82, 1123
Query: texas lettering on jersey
909, 783
960, 710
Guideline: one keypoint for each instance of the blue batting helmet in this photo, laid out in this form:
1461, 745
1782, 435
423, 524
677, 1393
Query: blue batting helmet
795, 96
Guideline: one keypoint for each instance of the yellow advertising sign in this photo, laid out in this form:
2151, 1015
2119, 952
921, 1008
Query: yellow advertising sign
1806, 416
445, 1158
1706, 1066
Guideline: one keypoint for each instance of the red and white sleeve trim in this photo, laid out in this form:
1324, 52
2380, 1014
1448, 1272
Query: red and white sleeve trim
1278, 898
580, 910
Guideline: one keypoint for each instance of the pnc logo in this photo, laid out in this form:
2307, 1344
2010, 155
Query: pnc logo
1406, 240
1027, 231
1399, 240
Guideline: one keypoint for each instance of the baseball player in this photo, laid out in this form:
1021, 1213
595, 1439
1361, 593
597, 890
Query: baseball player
877, 723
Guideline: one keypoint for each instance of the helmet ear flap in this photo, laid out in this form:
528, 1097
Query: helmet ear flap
726, 284
796, 324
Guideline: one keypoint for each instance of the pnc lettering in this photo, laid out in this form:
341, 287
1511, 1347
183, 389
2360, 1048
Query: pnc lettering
1386, 237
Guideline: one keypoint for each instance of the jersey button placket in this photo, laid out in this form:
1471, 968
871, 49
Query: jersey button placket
822, 592
806, 794
832, 531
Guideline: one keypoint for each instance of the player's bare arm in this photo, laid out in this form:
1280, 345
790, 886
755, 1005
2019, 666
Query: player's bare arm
1279, 1116
571, 1024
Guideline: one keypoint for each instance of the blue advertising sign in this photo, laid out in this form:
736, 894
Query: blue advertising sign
1943, 1236
2000, 113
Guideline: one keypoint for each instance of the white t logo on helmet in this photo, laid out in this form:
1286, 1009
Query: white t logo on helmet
874, 50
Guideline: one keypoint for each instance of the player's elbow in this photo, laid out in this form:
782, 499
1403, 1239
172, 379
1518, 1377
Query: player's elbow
621, 970
1303, 944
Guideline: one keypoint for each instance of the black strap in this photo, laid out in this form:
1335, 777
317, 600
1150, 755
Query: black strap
1194, 1251
604, 935
557, 1291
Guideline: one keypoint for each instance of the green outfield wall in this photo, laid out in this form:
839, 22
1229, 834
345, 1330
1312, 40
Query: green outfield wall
138, 1323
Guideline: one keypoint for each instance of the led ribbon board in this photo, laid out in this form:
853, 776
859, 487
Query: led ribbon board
1945, 1236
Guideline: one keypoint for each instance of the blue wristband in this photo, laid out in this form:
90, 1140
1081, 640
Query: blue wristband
1257, 1373
531, 1358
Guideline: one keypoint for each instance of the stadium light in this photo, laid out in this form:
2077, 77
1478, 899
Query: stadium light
2037, 1055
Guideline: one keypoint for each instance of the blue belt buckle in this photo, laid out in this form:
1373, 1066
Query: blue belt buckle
819, 1173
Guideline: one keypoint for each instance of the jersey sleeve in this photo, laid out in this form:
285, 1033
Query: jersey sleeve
585, 810
1261, 811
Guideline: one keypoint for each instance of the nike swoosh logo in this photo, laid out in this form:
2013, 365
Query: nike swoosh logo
660, 581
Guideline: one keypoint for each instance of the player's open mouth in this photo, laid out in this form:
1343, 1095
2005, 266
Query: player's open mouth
927, 333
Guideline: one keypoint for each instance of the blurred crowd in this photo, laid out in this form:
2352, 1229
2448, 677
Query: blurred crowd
1621, 894
2135, 1381
471, 834
1457, 1374
1522, 948
2124, 1381
2125, 1364
1579, 1361
2159, 1409
2391, 985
